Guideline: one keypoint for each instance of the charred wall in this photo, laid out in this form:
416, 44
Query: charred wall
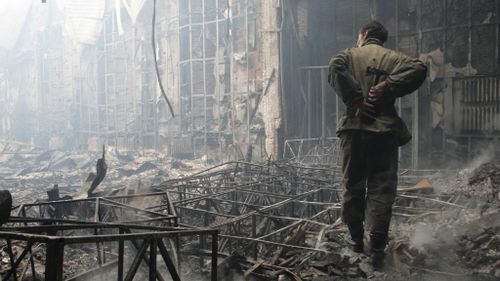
243, 76
220, 76
97, 84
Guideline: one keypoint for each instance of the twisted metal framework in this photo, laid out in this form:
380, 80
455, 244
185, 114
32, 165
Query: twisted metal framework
265, 212
272, 218
115, 231
278, 215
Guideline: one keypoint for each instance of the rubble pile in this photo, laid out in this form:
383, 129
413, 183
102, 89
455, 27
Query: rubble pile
459, 241
17, 248
482, 252
479, 245
76, 259
30, 173
482, 184
338, 266
323, 254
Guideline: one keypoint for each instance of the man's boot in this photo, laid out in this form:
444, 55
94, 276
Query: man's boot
378, 243
356, 241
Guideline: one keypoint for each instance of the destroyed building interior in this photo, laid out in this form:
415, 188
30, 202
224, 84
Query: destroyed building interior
196, 140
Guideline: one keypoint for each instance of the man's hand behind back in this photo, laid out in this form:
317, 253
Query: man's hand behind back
380, 94
366, 108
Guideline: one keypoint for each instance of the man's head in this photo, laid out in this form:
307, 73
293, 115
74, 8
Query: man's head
373, 29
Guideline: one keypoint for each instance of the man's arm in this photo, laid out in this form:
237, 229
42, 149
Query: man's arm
346, 86
407, 77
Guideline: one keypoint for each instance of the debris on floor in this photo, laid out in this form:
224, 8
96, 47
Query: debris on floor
275, 220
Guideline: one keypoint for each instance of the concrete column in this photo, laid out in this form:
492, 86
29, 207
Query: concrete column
271, 105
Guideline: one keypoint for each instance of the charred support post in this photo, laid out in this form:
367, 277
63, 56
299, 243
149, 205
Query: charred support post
203, 239
215, 253
177, 245
13, 269
136, 262
152, 260
254, 235
5, 205
168, 261
146, 259
121, 253
55, 258
98, 247
11, 256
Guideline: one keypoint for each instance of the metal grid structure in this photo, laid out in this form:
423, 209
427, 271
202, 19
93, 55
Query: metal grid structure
324, 151
277, 215
117, 209
208, 57
105, 234
474, 121
56, 239
321, 103
51, 102
272, 219
114, 108
264, 210
480, 105
210, 99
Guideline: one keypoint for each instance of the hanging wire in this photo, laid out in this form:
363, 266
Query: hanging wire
158, 77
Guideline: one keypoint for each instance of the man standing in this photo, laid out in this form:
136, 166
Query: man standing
368, 79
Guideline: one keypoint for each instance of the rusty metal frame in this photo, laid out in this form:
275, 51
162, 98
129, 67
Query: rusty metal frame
151, 237
265, 211
33, 225
237, 197
101, 206
271, 213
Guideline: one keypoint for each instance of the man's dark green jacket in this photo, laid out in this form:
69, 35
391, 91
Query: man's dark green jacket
354, 71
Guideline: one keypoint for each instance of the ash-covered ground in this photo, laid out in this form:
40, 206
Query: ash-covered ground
461, 241
29, 173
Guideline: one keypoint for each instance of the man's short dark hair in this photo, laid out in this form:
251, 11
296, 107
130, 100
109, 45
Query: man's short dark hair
375, 30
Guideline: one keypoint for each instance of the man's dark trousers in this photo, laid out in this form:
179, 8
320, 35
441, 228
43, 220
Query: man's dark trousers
370, 165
